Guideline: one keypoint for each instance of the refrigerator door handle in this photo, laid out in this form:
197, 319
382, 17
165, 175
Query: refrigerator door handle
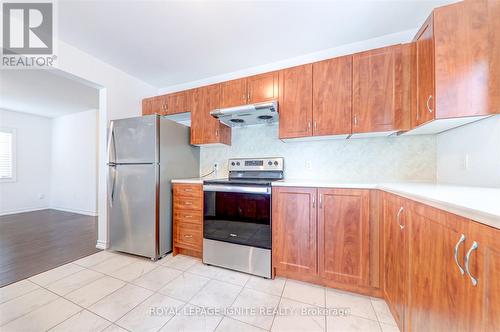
111, 195
111, 143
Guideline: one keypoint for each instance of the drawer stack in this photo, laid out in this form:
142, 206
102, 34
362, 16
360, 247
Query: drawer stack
188, 219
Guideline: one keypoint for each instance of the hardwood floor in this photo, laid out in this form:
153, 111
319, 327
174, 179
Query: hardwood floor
35, 242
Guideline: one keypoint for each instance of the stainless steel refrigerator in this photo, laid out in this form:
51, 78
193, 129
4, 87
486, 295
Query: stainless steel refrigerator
144, 154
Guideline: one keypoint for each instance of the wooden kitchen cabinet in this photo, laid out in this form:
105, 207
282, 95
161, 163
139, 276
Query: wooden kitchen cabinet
295, 102
332, 94
233, 93
380, 78
154, 105
395, 253
343, 235
294, 231
458, 72
187, 219
179, 102
263, 87
483, 298
437, 288
205, 129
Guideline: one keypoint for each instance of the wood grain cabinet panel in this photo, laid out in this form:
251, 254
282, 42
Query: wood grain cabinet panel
437, 289
233, 93
395, 253
154, 105
332, 94
377, 91
178, 102
483, 298
263, 87
205, 129
343, 235
295, 102
187, 219
294, 231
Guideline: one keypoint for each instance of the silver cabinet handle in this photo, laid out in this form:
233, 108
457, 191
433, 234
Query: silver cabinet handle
401, 209
315, 125
188, 236
217, 132
455, 253
467, 260
427, 103
309, 125
314, 201
320, 201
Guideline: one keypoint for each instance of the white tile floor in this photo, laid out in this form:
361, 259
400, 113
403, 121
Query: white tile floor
116, 292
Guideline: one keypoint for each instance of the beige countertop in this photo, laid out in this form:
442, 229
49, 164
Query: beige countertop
481, 204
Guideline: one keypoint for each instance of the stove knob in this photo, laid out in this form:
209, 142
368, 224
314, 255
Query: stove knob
232, 164
238, 163
275, 163
270, 163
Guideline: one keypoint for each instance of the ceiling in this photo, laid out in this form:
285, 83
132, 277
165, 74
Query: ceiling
166, 43
44, 93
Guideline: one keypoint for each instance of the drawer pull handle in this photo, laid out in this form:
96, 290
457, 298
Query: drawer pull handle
188, 189
401, 209
188, 203
188, 216
467, 260
455, 253
233, 235
188, 236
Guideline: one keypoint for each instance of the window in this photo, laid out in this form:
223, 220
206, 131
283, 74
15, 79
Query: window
7, 155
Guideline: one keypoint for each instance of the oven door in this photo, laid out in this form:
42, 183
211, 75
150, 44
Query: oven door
238, 214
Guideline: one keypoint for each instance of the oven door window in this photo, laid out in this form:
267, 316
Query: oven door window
240, 218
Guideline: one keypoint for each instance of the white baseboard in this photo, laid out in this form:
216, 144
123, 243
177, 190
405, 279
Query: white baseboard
101, 245
84, 212
5, 213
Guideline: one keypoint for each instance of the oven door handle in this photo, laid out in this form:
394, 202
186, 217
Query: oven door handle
237, 189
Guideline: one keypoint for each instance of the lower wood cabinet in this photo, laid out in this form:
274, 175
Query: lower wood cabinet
187, 219
323, 236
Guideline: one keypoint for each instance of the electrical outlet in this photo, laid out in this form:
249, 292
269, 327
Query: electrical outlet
216, 167
464, 162
308, 165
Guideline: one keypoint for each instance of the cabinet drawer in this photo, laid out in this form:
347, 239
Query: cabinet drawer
195, 217
188, 203
188, 190
189, 236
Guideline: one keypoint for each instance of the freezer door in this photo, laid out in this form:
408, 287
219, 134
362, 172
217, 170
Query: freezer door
133, 209
133, 140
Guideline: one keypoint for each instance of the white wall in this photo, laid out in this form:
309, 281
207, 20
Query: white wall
368, 159
479, 142
33, 163
120, 96
74, 163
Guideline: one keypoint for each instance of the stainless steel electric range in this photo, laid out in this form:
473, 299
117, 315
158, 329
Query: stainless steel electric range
237, 216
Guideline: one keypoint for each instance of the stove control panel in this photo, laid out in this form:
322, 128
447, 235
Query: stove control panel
256, 164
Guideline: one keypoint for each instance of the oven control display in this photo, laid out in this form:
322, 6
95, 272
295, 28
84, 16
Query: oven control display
254, 162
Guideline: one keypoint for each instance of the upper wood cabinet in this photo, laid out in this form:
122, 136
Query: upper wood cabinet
332, 94
179, 102
205, 129
483, 297
295, 102
395, 255
154, 105
294, 231
343, 235
457, 72
380, 78
437, 300
262, 88
233, 93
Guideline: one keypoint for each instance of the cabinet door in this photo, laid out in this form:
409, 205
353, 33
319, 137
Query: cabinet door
395, 252
147, 106
376, 101
154, 105
197, 117
332, 94
295, 102
213, 131
233, 93
263, 87
294, 231
484, 266
437, 300
343, 235
178, 102
425, 74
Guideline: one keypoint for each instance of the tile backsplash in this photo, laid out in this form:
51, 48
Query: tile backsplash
411, 158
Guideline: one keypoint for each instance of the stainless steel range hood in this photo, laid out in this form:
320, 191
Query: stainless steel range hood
248, 115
